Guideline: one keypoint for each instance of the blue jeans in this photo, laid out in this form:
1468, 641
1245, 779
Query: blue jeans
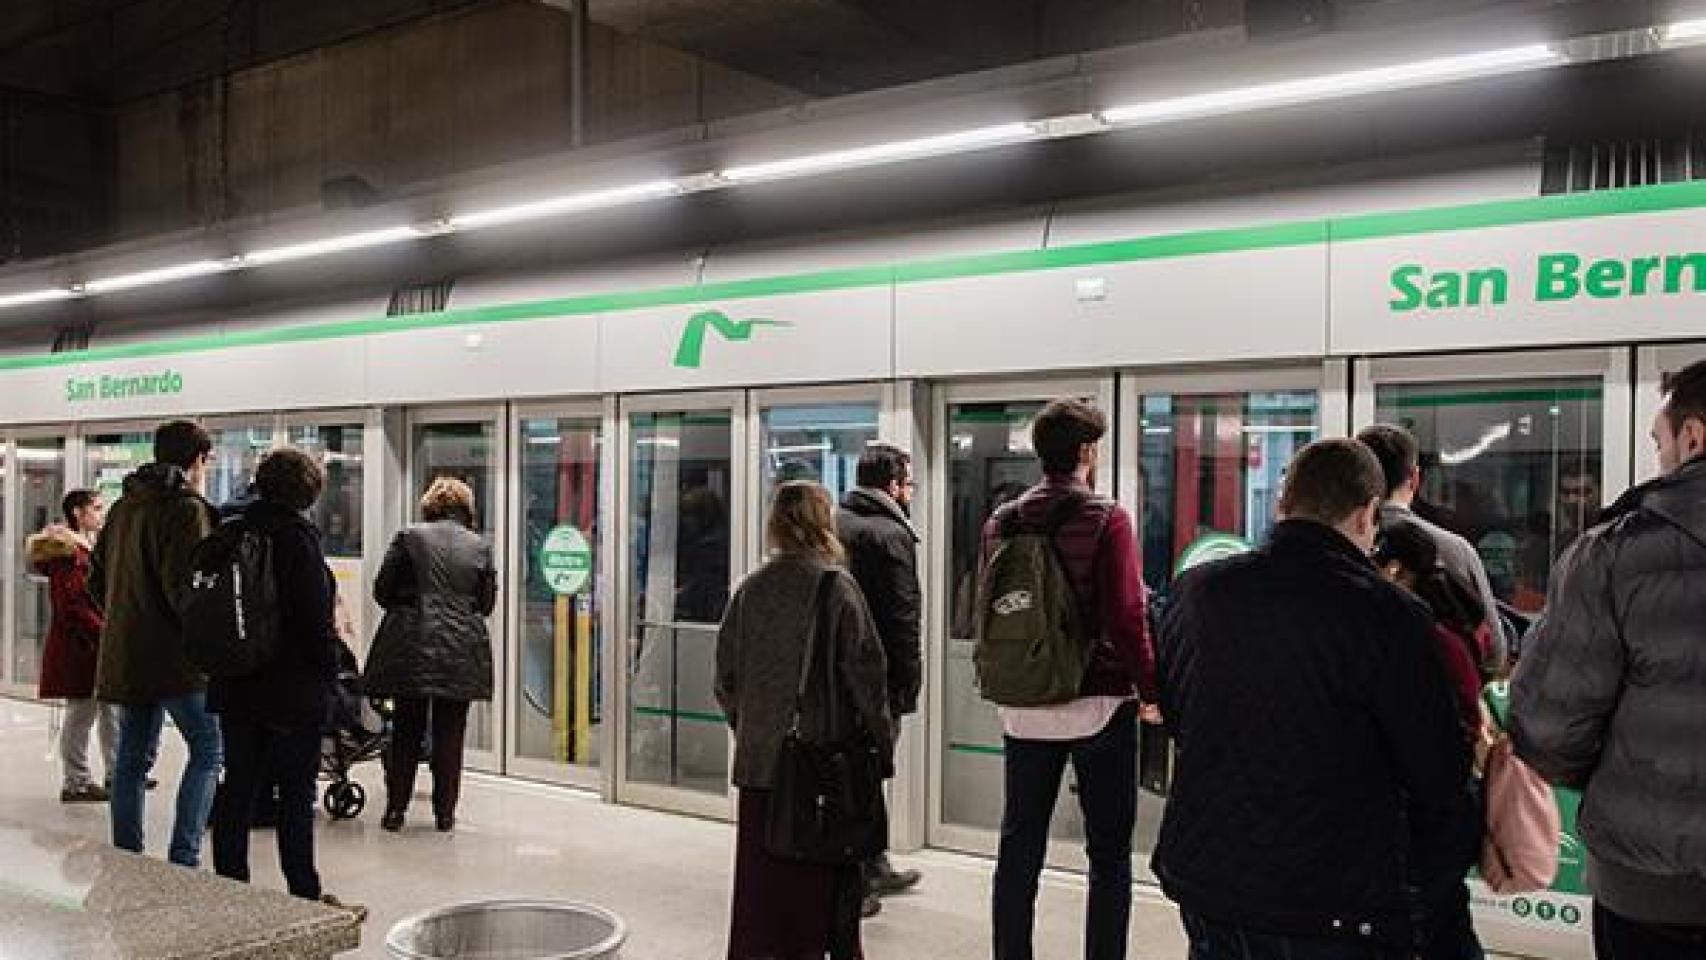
138, 747
1214, 941
1106, 765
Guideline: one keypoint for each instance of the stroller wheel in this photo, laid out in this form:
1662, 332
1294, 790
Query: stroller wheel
345, 800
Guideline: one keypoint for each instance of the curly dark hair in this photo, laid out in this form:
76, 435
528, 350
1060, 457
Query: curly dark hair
290, 478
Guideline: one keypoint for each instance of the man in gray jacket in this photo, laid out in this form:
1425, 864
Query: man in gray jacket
1610, 696
1400, 460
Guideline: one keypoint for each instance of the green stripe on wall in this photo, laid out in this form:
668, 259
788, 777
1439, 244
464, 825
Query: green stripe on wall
1636, 200
976, 749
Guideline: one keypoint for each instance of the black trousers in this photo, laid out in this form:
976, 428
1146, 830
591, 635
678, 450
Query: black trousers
449, 724
258, 756
1617, 937
1106, 765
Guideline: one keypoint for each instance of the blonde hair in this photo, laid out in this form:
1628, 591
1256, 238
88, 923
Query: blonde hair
448, 498
802, 518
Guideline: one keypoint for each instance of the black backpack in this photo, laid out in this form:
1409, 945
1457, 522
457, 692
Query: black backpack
1032, 649
229, 610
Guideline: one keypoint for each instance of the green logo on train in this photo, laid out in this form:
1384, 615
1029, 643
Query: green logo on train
691, 352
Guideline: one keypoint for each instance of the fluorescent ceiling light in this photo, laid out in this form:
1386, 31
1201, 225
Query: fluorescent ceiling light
883, 153
34, 296
183, 271
596, 199
1686, 32
1332, 86
316, 248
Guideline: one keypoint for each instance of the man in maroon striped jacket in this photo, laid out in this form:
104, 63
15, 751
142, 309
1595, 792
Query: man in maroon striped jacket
1097, 731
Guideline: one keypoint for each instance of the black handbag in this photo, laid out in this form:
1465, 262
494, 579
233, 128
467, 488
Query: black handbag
827, 803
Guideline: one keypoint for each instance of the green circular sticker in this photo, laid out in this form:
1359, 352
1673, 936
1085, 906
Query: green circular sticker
1570, 915
565, 560
1521, 907
1211, 547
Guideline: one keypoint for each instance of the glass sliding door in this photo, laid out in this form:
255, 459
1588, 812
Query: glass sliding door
468, 445
682, 508
560, 594
337, 440
1519, 453
41, 486
1203, 457
983, 442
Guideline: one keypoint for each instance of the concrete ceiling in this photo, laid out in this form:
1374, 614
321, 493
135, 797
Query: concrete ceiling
106, 51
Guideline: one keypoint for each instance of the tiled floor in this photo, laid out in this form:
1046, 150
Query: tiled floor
667, 876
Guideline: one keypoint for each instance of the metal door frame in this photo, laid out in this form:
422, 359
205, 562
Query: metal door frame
488, 761
601, 411
937, 590
1611, 364
735, 402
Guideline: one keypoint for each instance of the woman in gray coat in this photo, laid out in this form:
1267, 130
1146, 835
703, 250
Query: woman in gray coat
786, 910
433, 653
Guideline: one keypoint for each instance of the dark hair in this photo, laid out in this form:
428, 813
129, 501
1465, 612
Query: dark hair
1331, 479
1685, 395
74, 501
181, 443
1396, 450
881, 465
1405, 543
1062, 430
290, 478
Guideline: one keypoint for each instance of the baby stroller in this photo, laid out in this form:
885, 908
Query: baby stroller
359, 730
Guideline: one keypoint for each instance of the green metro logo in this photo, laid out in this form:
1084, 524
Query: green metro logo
691, 352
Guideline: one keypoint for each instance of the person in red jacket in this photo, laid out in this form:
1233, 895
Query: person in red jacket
61, 554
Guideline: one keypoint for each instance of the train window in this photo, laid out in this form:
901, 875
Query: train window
1210, 468
821, 443
236, 452
1512, 466
338, 513
110, 457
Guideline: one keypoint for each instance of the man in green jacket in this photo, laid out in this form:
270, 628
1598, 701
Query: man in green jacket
139, 567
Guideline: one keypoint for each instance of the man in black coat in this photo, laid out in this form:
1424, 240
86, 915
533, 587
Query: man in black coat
882, 553
1610, 696
1320, 754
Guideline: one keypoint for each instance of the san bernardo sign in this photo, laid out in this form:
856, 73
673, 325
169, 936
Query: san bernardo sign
565, 560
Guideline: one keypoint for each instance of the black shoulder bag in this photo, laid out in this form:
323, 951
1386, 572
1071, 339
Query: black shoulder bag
827, 803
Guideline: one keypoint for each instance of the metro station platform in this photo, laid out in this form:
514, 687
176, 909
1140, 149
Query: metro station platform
666, 875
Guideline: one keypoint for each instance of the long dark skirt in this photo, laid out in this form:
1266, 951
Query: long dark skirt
784, 910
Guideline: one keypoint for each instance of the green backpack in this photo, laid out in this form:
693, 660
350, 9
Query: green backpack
1031, 645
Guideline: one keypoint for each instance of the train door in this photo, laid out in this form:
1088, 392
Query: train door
1519, 453
467, 443
1653, 366
560, 565
682, 517
1203, 458
982, 457
38, 478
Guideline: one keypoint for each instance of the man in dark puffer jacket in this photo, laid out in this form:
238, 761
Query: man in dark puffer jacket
1320, 751
1610, 696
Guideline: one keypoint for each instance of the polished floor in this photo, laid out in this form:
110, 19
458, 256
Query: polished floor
667, 876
